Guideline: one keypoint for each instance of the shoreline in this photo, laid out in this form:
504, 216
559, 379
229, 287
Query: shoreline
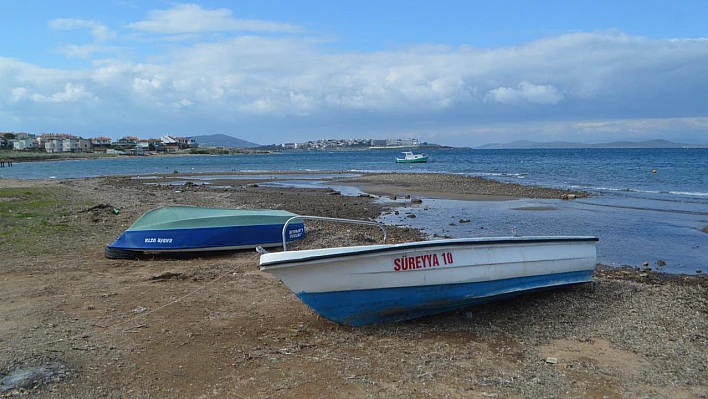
427, 185
395, 186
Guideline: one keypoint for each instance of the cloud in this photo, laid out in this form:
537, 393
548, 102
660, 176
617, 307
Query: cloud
18, 94
269, 84
191, 18
539, 94
71, 93
99, 31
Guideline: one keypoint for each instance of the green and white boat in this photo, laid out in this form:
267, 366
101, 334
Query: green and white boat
410, 157
191, 228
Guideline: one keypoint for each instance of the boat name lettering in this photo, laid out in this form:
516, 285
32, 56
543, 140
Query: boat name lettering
406, 262
296, 233
158, 240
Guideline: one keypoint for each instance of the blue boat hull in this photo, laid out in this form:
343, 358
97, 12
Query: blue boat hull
207, 239
388, 305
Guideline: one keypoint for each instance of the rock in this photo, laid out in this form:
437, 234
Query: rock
411, 216
416, 201
699, 271
660, 262
645, 264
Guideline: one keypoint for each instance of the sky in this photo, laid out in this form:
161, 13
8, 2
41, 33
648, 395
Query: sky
457, 73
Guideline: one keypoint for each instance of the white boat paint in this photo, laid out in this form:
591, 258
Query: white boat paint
321, 277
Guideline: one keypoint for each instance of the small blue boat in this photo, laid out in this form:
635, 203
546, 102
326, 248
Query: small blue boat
191, 228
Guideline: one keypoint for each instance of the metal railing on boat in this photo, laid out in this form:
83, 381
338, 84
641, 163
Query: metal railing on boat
350, 221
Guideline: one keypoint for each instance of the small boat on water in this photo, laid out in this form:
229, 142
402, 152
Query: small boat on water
394, 282
191, 228
410, 157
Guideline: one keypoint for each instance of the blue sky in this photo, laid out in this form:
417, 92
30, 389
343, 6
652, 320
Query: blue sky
462, 73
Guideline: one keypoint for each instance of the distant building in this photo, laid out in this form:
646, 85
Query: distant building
52, 142
101, 142
25, 144
395, 143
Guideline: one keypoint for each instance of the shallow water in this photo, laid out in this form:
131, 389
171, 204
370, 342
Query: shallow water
647, 204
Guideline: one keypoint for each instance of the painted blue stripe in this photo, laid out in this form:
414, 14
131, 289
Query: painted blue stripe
387, 305
209, 237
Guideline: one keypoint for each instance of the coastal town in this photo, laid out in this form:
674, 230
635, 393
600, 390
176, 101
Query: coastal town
132, 145
62, 143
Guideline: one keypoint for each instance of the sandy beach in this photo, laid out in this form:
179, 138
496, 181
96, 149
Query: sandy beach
75, 324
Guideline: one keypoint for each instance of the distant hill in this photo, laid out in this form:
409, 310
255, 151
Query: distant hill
223, 140
567, 144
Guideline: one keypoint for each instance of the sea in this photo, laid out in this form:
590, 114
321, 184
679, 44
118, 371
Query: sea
648, 206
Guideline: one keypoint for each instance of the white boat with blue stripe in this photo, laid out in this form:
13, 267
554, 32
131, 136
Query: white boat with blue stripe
394, 282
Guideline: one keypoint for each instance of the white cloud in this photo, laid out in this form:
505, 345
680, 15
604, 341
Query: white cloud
99, 31
539, 94
72, 93
190, 18
19, 94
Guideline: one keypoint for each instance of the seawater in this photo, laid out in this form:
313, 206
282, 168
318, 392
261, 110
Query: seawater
647, 204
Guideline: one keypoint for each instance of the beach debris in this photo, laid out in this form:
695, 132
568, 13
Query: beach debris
166, 276
568, 196
410, 216
32, 377
699, 271
140, 309
551, 360
660, 262
464, 221
645, 264
490, 394
416, 201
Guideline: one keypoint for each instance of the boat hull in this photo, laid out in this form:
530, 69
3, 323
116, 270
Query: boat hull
419, 160
390, 283
186, 229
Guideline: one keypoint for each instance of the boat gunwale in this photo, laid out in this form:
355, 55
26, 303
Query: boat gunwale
382, 248
145, 222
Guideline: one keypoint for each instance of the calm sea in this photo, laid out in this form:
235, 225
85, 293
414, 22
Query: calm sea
647, 205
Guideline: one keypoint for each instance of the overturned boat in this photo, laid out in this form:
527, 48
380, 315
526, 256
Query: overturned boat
191, 228
395, 282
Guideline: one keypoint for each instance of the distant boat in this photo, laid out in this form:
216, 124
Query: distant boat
191, 228
410, 157
393, 282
